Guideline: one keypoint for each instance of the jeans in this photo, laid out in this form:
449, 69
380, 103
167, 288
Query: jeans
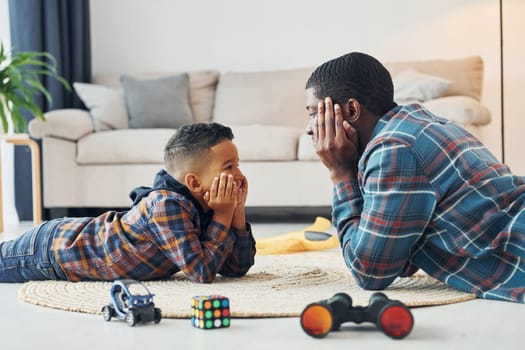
30, 256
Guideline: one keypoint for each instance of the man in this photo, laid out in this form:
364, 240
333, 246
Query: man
412, 190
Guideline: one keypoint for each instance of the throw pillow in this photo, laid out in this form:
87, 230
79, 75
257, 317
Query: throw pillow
106, 105
413, 86
157, 103
464, 110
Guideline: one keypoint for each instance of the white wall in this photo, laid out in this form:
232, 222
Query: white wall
514, 83
4, 23
145, 35
10, 214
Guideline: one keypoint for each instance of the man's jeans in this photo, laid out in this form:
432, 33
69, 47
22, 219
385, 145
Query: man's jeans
30, 256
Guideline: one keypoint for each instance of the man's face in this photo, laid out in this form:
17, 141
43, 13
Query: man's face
224, 159
311, 108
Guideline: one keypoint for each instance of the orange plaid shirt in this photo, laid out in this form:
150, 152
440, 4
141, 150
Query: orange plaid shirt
165, 232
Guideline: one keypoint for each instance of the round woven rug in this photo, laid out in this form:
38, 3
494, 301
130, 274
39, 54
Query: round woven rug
276, 286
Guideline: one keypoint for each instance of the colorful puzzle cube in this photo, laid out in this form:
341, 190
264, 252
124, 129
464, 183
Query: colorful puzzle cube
210, 311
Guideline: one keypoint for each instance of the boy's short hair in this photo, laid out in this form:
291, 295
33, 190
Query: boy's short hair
188, 150
355, 75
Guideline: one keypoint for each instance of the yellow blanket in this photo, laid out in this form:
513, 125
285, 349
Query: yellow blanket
299, 241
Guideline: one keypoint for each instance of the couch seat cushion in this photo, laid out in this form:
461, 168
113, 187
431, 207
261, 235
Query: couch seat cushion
266, 142
125, 146
129, 146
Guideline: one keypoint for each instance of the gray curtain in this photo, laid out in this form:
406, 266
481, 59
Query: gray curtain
60, 27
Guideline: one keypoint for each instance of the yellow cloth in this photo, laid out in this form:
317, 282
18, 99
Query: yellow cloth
294, 242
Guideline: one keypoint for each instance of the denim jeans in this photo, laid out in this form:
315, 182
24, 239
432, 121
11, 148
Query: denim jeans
29, 257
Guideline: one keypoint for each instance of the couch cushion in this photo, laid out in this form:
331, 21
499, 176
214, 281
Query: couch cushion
266, 142
412, 86
106, 105
460, 109
266, 98
201, 88
125, 146
466, 74
157, 103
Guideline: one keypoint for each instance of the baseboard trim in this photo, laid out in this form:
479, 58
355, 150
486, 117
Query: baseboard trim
261, 214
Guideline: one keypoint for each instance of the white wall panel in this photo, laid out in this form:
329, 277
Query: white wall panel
237, 35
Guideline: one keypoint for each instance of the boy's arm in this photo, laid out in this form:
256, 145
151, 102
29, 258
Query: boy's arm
199, 255
242, 256
239, 216
222, 199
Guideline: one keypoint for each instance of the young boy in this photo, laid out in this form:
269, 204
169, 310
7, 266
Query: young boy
192, 220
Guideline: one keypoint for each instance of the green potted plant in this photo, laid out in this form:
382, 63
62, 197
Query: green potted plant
19, 83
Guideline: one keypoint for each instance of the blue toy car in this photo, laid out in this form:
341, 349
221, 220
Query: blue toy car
131, 301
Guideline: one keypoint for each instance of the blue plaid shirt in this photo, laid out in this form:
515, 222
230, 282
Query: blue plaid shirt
429, 195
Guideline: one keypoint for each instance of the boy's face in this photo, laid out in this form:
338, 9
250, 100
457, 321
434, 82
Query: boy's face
224, 159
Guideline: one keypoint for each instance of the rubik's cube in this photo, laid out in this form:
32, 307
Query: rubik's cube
210, 311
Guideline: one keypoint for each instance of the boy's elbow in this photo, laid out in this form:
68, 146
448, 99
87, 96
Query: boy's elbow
202, 277
239, 272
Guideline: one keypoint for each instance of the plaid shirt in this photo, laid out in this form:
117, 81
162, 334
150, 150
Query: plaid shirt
429, 195
159, 236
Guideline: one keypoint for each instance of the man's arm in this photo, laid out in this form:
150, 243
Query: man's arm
380, 219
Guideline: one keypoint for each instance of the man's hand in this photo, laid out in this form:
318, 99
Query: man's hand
335, 141
222, 198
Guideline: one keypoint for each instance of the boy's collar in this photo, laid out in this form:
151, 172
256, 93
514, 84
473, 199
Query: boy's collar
164, 181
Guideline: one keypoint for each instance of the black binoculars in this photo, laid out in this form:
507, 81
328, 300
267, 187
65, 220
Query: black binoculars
392, 317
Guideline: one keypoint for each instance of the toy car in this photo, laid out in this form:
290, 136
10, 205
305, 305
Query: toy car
131, 301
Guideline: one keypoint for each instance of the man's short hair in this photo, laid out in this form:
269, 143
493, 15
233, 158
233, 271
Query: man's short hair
355, 75
189, 148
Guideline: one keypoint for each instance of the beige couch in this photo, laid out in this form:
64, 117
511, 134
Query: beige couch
92, 159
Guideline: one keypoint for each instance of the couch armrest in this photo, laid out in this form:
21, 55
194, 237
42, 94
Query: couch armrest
68, 124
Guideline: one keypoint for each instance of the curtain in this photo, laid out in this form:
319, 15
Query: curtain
60, 27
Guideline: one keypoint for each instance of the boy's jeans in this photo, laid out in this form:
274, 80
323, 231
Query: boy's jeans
29, 257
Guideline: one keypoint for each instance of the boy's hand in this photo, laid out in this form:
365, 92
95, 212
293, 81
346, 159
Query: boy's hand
242, 191
239, 216
222, 198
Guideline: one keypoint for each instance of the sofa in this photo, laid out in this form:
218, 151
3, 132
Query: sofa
94, 157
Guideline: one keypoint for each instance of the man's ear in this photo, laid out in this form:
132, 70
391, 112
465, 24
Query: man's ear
192, 182
352, 110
